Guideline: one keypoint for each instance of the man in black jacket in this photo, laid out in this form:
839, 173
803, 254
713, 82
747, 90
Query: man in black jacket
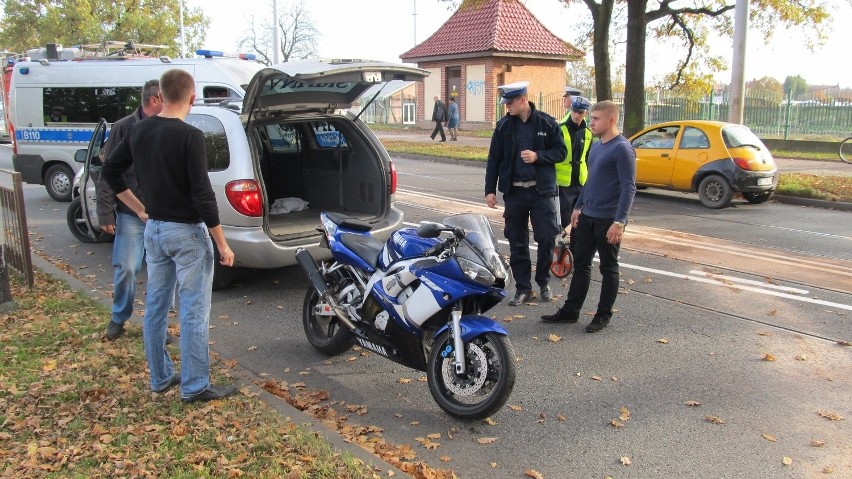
439, 116
525, 146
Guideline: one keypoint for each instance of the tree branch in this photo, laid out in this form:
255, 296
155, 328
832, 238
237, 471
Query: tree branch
690, 38
665, 10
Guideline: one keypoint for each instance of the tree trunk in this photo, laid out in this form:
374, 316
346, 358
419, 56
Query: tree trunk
634, 81
602, 17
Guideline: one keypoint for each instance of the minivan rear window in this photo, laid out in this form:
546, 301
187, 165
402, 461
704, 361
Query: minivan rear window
218, 156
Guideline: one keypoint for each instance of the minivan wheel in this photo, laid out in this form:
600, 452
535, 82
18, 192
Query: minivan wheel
759, 197
57, 181
78, 226
715, 192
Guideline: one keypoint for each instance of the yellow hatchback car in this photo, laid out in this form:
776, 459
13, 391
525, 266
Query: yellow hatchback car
713, 158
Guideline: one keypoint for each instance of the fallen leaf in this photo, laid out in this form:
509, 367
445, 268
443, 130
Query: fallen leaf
445, 459
252, 348
817, 443
554, 338
630, 281
493, 465
625, 414
434, 435
414, 423
597, 378
428, 444
714, 419
663, 341
616, 424
763, 333
692, 403
489, 421
519, 316
625, 460
768, 357
534, 474
802, 357
560, 417
773, 312
828, 470
830, 415
404, 380
844, 343
787, 461
769, 438
648, 279
515, 408
486, 440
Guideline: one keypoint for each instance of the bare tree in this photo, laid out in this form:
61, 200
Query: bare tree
299, 36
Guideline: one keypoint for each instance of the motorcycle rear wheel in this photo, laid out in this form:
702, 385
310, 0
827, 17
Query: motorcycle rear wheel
487, 383
325, 333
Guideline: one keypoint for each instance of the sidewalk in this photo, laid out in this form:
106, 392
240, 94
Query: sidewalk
788, 165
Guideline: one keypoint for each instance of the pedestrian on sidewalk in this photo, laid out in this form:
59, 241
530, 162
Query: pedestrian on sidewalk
599, 218
525, 145
181, 215
453, 123
439, 116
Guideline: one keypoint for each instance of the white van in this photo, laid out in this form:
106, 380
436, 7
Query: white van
54, 105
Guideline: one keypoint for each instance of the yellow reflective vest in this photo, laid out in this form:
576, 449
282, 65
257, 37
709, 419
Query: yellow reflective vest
563, 169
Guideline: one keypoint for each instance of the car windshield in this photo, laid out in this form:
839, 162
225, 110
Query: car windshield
479, 244
738, 136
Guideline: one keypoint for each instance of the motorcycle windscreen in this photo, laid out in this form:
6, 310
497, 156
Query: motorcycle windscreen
479, 244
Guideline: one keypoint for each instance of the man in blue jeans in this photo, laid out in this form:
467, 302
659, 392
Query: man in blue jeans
181, 216
599, 218
117, 219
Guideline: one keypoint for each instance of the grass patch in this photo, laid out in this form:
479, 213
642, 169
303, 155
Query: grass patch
806, 155
75, 405
821, 187
438, 149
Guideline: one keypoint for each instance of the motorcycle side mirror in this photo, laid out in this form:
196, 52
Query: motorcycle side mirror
429, 230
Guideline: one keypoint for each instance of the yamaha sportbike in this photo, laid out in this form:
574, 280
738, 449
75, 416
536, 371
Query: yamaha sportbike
417, 299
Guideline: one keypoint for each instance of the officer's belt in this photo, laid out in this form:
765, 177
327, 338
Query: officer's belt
524, 184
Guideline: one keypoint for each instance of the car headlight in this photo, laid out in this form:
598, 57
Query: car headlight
476, 272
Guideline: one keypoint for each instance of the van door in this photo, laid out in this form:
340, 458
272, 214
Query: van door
89, 179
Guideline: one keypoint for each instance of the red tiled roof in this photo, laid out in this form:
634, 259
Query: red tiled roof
492, 25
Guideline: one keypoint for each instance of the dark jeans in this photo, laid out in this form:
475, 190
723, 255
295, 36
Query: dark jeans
525, 206
590, 236
567, 199
439, 128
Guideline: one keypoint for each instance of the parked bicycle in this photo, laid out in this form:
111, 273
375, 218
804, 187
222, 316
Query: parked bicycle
846, 150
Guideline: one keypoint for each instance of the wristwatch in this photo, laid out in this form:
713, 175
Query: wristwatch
619, 224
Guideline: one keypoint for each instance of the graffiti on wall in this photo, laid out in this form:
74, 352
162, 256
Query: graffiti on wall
475, 87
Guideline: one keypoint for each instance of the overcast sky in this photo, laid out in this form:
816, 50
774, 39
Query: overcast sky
383, 29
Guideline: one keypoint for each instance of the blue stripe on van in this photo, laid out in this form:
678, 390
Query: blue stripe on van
54, 135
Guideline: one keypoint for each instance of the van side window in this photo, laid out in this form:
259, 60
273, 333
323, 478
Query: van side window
218, 155
89, 104
327, 136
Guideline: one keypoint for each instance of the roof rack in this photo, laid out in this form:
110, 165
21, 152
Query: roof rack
113, 48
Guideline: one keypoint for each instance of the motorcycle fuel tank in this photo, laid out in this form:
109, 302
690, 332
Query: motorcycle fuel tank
403, 244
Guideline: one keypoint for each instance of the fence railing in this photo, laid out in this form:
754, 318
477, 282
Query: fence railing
15, 245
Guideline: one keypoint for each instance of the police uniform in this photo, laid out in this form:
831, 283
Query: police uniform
571, 174
529, 189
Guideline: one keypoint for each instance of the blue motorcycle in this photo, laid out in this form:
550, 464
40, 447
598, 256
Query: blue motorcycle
417, 299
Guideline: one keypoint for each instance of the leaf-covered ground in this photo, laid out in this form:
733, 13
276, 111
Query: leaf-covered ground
75, 405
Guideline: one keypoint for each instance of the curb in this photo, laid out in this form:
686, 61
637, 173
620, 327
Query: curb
280, 406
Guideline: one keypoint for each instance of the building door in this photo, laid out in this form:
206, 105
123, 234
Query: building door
454, 85
408, 113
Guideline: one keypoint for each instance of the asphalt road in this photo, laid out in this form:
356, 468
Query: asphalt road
706, 296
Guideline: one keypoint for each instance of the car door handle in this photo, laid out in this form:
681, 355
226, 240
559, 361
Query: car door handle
664, 155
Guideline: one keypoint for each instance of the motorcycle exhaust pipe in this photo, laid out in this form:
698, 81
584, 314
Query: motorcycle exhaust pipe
309, 265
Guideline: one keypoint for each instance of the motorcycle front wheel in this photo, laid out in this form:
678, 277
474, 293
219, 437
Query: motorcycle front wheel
487, 382
325, 333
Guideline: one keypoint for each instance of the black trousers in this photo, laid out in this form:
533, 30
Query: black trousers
525, 206
439, 128
590, 236
567, 199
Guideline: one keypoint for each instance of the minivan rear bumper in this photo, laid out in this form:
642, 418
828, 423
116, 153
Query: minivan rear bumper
253, 248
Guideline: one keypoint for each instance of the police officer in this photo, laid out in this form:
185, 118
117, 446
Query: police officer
571, 174
525, 146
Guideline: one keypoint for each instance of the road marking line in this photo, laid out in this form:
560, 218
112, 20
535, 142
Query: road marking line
723, 277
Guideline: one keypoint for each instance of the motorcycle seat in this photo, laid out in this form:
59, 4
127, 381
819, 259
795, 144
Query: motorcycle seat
349, 223
366, 247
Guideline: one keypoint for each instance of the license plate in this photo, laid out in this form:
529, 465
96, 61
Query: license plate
764, 181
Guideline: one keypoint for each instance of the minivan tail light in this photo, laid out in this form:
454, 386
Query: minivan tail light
742, 163
244, 196
393, 177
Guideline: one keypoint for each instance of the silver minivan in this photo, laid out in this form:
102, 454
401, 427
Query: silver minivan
290, 151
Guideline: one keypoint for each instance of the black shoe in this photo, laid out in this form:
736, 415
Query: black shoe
444, 139
521, 297
114, 330
174, 382
212, 393
561, 316
597, 324
546, 293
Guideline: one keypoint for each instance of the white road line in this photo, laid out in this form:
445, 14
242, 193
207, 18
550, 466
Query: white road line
724, 281
752, 282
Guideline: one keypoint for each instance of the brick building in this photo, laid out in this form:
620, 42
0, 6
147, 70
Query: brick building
484, 44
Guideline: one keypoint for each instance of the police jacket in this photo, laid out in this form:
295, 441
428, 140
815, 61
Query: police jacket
550, 148
578, 139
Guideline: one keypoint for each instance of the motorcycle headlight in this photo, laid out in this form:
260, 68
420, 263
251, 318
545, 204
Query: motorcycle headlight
476, 272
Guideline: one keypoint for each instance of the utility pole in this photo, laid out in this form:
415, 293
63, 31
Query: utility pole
735, 112
276, 35
414, 16
182, 39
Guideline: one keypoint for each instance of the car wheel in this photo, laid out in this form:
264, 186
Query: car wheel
757, 198
715, 192
78, 226
57, 181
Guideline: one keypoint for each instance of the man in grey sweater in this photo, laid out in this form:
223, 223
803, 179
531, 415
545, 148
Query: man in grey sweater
599, 218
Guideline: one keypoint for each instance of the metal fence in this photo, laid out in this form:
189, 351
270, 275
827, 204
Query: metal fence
15, 246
